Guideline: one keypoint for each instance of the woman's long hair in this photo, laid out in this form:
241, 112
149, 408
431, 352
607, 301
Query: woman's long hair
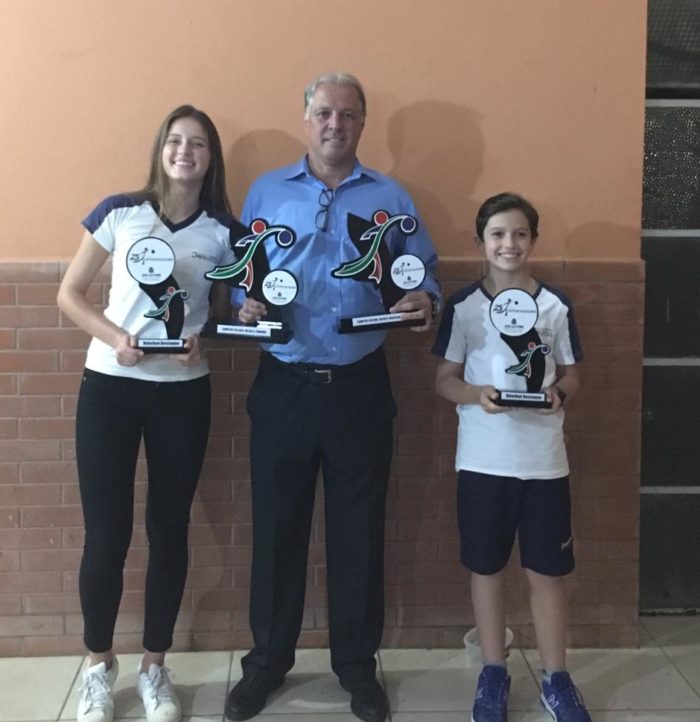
213, 195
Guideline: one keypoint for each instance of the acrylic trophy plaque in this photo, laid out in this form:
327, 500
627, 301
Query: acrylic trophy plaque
151, 262
514, 314
251, 271
393, 276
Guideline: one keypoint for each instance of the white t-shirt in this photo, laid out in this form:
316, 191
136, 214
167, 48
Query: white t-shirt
518, 443
158, 286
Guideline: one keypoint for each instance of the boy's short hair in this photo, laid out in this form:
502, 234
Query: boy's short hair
501, 203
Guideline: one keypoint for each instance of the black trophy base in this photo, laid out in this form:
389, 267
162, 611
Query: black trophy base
263, 332
377, 322
162, 345
523, 399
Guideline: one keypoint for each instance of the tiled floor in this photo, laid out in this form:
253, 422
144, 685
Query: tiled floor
660, 682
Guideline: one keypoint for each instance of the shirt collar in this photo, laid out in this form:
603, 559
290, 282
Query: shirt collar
301, 169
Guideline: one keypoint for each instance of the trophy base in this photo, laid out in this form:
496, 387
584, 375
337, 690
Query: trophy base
377, 322
523, 399
263, 331
162, 345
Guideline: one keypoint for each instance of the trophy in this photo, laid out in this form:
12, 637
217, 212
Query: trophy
375, 265
514, 313
251, 271
151, 262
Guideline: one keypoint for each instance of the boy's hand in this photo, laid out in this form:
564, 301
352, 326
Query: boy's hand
552, 395
487, 399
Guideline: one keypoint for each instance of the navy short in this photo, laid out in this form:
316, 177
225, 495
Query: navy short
492, 509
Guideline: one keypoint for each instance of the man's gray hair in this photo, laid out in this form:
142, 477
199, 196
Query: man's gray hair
334, 79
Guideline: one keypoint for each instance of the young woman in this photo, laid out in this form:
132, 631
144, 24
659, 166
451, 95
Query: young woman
162, 240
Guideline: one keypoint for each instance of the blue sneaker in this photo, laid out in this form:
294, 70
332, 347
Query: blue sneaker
562, 699
491, 700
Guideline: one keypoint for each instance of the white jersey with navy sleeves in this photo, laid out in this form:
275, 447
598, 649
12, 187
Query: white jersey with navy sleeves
158, 288
520, 442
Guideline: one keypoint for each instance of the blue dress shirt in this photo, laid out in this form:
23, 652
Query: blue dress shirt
290, 196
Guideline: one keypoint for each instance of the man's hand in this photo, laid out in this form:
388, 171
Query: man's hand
415, 305
251, 311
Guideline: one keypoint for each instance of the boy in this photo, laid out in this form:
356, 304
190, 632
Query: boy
511, 462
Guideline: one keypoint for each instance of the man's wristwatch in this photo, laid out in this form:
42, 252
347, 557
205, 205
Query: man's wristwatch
435, 307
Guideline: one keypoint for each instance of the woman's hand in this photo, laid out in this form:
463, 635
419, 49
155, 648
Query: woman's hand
127, 352
195, 351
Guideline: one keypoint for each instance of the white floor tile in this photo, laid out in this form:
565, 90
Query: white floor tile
434, 717
309, 690
646, 639
302, 716
516, 716
651, 716
439, 680
673, 630
679, 637
658, 683
688, 664
637, 679
201, 680
307, 694
35, 688
205, 718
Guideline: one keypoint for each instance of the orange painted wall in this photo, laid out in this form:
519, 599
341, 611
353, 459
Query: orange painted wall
466, 98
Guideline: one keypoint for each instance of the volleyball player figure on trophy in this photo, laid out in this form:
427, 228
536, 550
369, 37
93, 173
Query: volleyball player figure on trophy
514, 313
275, 289
393, 277
151, 262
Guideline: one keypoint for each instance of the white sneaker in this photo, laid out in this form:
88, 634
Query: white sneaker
95, 703
159, 698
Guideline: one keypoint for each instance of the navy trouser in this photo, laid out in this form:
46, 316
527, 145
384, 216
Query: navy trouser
113, 415
344, 428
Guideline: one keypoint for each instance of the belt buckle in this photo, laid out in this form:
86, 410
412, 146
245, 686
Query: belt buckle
324, 376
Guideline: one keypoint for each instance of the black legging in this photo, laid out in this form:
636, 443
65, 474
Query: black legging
113, 415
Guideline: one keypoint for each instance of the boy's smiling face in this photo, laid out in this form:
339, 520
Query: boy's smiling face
508, 241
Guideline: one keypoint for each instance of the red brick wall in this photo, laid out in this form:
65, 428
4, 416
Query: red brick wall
41, 355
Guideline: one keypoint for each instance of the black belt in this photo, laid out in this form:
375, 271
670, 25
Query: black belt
325, 374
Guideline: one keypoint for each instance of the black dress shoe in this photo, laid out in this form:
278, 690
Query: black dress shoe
249, 696
368, 700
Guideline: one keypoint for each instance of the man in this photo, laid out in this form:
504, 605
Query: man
324, 400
